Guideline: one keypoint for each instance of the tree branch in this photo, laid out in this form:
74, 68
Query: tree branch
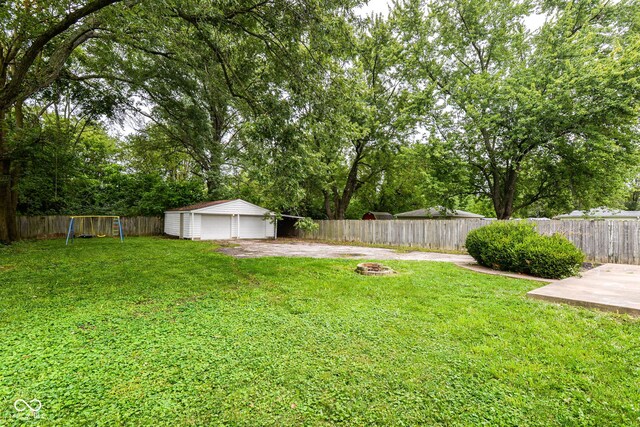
14, 89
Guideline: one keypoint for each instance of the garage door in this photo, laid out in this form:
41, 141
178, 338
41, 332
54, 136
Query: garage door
214, 227
252, 227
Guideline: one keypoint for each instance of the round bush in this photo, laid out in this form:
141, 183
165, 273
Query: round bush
551, 257
517, 247
494, 245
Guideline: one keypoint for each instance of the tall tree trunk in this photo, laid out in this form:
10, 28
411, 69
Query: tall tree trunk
16, 171
212, 187
8, 199
350, 187
213, 180
327, 205
504, 197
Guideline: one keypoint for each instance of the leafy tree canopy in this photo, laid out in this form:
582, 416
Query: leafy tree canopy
524, 117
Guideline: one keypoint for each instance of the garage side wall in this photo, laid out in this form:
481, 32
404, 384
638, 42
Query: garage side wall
271, 229
172, 223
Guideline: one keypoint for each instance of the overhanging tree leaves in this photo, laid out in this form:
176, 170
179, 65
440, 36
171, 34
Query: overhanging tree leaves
36, 41
214, 68
341, 129
529, 115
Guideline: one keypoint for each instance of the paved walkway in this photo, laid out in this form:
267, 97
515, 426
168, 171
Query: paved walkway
612, 287
267, 248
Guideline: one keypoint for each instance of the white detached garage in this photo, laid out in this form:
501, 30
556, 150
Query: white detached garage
220, 220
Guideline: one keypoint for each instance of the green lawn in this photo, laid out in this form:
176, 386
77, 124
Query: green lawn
167, 332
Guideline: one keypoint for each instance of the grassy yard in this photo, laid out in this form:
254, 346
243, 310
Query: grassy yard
167, 332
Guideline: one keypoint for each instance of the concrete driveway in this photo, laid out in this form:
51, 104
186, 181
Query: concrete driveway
269, 248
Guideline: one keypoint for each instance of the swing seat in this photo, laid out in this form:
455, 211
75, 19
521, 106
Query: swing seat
83, 227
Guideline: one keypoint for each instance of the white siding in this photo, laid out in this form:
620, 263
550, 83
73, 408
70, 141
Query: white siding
234, 226
235, 207
197, 222
257, 226
270, 232
172, 223
187, 225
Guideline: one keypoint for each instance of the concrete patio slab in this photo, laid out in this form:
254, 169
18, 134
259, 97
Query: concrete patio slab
611, 287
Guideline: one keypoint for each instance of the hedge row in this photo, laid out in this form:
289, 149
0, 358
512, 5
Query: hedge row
518, 247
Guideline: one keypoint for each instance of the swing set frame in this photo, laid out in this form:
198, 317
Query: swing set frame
71, 235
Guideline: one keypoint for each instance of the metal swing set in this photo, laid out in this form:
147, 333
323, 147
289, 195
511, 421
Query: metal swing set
82, 226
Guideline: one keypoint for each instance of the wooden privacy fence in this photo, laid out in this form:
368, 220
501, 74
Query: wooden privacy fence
601, 241
44, 227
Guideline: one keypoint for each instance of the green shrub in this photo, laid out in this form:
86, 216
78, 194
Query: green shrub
517, 247
551, 257
494, 245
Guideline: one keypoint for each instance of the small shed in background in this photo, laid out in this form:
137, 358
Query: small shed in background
220, 220
377, 216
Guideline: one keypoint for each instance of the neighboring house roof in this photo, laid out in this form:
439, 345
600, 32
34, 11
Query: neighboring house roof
200, 205
438, 212
601, 213
379, 215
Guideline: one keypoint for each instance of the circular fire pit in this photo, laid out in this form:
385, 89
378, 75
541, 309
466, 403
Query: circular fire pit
373, 269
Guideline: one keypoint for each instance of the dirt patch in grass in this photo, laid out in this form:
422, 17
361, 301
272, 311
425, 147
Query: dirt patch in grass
312, 249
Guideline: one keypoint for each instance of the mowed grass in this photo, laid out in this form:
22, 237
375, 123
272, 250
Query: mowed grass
165, 332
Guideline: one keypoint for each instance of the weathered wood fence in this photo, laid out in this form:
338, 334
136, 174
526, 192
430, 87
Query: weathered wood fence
51, 226
601, 241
